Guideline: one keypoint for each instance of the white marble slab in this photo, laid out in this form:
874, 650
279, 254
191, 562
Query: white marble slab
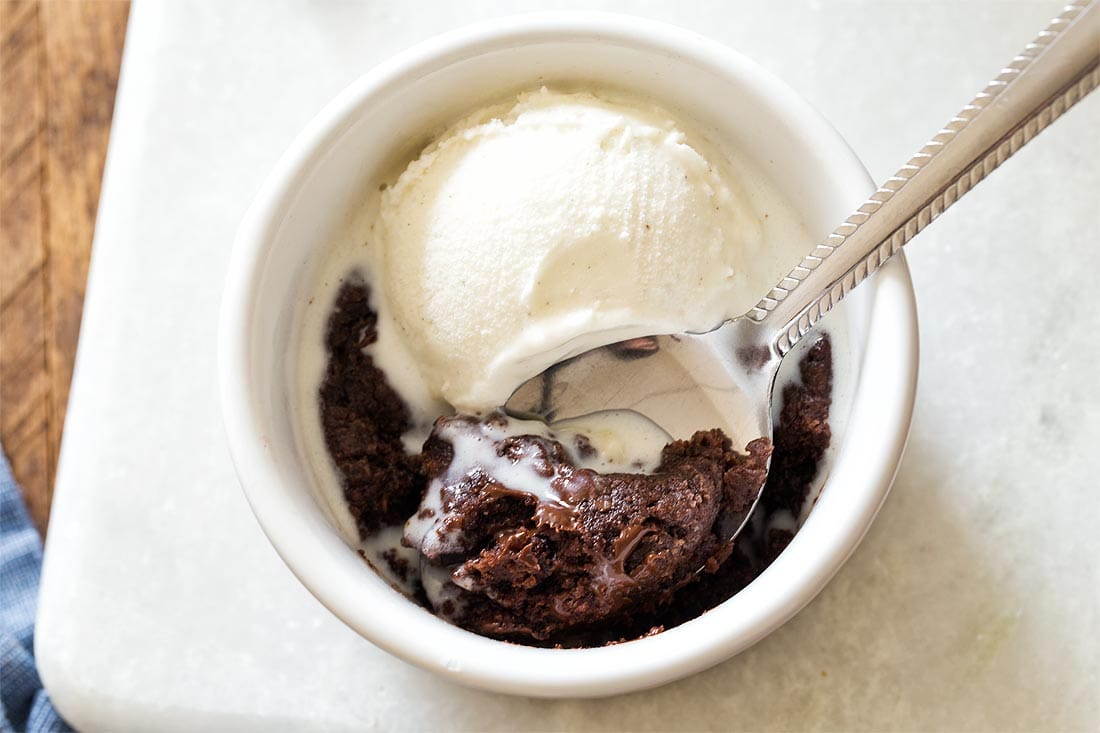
974, 602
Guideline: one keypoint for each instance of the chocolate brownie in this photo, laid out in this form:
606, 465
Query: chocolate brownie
607, 548
615, 556
363, 419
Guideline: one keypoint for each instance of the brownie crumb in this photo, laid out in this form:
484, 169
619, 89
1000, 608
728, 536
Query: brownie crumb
803, 433
399, 566
363, 419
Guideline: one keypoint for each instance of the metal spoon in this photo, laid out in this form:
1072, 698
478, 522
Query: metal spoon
726, 377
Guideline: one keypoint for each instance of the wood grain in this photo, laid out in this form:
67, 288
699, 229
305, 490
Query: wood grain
58, 72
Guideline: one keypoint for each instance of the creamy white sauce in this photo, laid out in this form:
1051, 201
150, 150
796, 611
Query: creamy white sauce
622, 441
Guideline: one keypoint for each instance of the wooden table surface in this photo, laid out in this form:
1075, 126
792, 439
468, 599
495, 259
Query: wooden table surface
59, 64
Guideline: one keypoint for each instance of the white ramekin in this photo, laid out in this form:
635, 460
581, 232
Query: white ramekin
388, 114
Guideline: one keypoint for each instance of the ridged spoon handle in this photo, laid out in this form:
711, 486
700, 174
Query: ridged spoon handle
1049, 76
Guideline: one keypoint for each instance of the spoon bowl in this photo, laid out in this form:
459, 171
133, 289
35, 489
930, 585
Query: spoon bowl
683, 383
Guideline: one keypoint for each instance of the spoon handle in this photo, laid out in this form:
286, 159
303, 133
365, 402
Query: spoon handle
1049, 76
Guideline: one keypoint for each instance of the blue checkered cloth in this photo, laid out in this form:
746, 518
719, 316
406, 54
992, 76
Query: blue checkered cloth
24, 705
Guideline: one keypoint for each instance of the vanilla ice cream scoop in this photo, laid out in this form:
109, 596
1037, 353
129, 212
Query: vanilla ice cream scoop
541, 228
